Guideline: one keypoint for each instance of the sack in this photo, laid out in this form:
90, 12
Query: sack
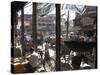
34, 60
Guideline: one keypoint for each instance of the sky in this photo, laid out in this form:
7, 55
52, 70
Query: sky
28, 10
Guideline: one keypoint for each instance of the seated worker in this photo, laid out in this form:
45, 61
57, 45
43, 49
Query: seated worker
33, 62
76, 61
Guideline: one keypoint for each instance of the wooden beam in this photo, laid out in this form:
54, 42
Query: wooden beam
22, 32
58, 39
34, 25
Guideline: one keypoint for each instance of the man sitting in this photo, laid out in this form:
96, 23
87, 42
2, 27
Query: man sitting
76, 61
33, 62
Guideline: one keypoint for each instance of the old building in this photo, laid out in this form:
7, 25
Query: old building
44, 24
87, 22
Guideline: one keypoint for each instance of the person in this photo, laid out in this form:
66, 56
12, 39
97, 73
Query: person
41, 55
71, 36
81, 37
33, 62
76, 61
46, 50
93, 38
47, 56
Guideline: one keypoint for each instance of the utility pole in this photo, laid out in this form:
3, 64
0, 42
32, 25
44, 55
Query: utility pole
67, 26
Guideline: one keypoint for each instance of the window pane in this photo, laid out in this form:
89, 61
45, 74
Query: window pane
78, 36
46, 37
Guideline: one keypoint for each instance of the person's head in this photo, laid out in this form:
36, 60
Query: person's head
46, 41
76, 61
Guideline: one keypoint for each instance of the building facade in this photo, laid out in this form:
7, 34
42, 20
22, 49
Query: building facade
87, 22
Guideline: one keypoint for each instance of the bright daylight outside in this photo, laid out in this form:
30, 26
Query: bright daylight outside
47, 37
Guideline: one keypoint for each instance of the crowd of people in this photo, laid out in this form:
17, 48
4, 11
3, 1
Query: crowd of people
50, 42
